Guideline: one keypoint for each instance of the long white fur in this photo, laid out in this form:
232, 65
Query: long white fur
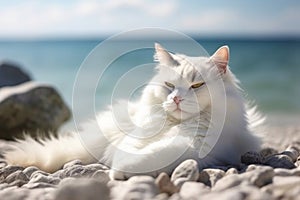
236, 138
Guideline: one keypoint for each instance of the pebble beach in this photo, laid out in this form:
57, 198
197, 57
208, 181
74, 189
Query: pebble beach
272, 173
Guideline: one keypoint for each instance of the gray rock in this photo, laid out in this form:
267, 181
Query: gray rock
292, 152
190, 190
239, 192
29, 170
287, 172
4, 172
137, 187
213, 176
80, 171
14, 193
101, 176
12, 74
17, 175
187, 171
268, 152
72, 163
31, 185
284, 187
251, 157
40, 178
279, 161
41, 194
36, 172
165, 185
34, 108
262, 175
229, 181
79, 189
18, 183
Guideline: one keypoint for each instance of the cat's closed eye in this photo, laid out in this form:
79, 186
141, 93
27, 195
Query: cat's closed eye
197, 85
170, 85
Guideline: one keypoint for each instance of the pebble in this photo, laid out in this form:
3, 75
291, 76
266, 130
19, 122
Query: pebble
165, 185
14, 193
292, 152
260, 176
137, 187
210, 176
4, 172
17, 175
279, 161
231, 171
228, 182
268, 152
29, 170
187, 171
284, 187
41, 178
37, 185
79, 189
251, 157
35, 173
190, 190
101, 176
72, 163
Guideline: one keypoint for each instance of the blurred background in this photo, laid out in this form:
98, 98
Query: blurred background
51, 39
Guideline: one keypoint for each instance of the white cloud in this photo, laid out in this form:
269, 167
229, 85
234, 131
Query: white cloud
34, 18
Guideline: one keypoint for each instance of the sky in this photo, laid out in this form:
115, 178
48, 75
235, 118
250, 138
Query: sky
55, 18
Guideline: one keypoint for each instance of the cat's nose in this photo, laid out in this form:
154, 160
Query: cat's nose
177, 99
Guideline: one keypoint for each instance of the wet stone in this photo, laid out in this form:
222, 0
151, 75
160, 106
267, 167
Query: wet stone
279, 161
251, 157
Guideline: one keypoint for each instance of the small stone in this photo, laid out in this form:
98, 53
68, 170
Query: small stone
40, 178
29, 170
284, 187
34, 173
14, 193
259, 177
228, 182
101, 176
231, 171
292, 152
79, 189
4, 172
213, 176
279, 161
251, 157
137, 187
80, 171
190, 190
31, 185
161, 196
165, 185
72, 163
267, 152
186, 171
17, 175
18, 183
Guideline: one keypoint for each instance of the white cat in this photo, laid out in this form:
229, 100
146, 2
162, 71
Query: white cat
192, 108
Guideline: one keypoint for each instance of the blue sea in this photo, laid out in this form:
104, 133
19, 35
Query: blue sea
269, 69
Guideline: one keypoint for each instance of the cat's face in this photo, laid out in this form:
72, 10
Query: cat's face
183, 81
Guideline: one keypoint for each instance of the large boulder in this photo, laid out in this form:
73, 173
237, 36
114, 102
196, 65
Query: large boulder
31, 108
12, 74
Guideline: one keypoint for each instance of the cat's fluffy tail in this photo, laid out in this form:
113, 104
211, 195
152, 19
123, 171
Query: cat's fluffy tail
49, 154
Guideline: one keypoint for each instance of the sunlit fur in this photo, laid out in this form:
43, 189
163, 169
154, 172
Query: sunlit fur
154, 127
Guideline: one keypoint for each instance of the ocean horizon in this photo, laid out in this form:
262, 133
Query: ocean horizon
268, 68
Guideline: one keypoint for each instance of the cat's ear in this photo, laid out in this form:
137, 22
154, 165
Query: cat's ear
163, 56
221, 58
